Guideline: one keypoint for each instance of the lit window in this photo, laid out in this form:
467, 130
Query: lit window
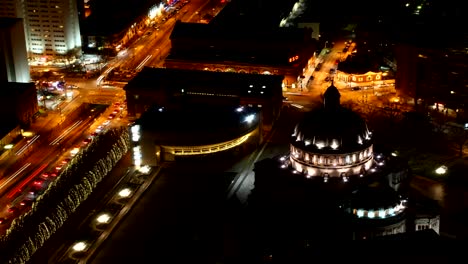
360, 213
334, 144
382, 213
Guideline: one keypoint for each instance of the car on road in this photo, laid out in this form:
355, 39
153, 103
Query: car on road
356, 88
319, 66
13, 210
26, 202
87, 140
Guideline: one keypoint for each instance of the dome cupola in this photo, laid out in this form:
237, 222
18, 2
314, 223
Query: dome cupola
332, 140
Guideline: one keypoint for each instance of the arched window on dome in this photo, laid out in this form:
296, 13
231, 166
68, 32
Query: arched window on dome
267, 73
343, 174
353, 78
320, 160
230, 70
369, 78
306, 157
354, 157
242, 71
348, 159
314, 159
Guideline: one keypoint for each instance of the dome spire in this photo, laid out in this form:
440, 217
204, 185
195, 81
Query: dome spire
331, 97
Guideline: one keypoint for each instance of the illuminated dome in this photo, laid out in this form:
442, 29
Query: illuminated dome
332, 128
332, 141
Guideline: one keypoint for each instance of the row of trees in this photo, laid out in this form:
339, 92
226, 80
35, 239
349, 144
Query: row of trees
49, 212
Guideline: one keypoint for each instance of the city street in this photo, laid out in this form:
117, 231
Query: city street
185, 213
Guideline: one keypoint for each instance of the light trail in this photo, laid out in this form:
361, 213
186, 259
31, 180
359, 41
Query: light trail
25, 147
104, 74
143, 62
65, 133
33, 175
14, 175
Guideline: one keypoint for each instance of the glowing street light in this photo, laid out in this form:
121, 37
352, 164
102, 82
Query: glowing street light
79, 246
125, 192
441, 170
249, 118
103, 218
145, 169
9, 146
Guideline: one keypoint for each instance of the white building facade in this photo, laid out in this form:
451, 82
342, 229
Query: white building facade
51, 28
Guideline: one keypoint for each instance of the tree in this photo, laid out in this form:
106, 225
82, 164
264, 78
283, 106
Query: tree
459, 136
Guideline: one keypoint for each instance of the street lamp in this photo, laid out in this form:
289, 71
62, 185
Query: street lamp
441, 170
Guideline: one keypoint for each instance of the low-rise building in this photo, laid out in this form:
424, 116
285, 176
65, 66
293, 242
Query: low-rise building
282, 51
172, 88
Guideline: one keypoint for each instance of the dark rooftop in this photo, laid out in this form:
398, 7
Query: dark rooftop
208, 31
6, 22
360, 64
110, 17
244, 45
152, 78
253, 14
14, 88
195, 124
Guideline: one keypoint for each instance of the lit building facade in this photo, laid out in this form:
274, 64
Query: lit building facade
51, 28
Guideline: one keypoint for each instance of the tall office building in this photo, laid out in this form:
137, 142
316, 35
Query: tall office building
51, 27
13, 57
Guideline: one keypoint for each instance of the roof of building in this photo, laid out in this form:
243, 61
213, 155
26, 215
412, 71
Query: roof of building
110, 17
252, 34
361, 63
331, 124
8, 89
241, 44
6, 22
374, 197
258, 14
227, 82
197, 124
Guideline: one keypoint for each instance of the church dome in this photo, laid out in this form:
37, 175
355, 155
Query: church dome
332, 141
332, 128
